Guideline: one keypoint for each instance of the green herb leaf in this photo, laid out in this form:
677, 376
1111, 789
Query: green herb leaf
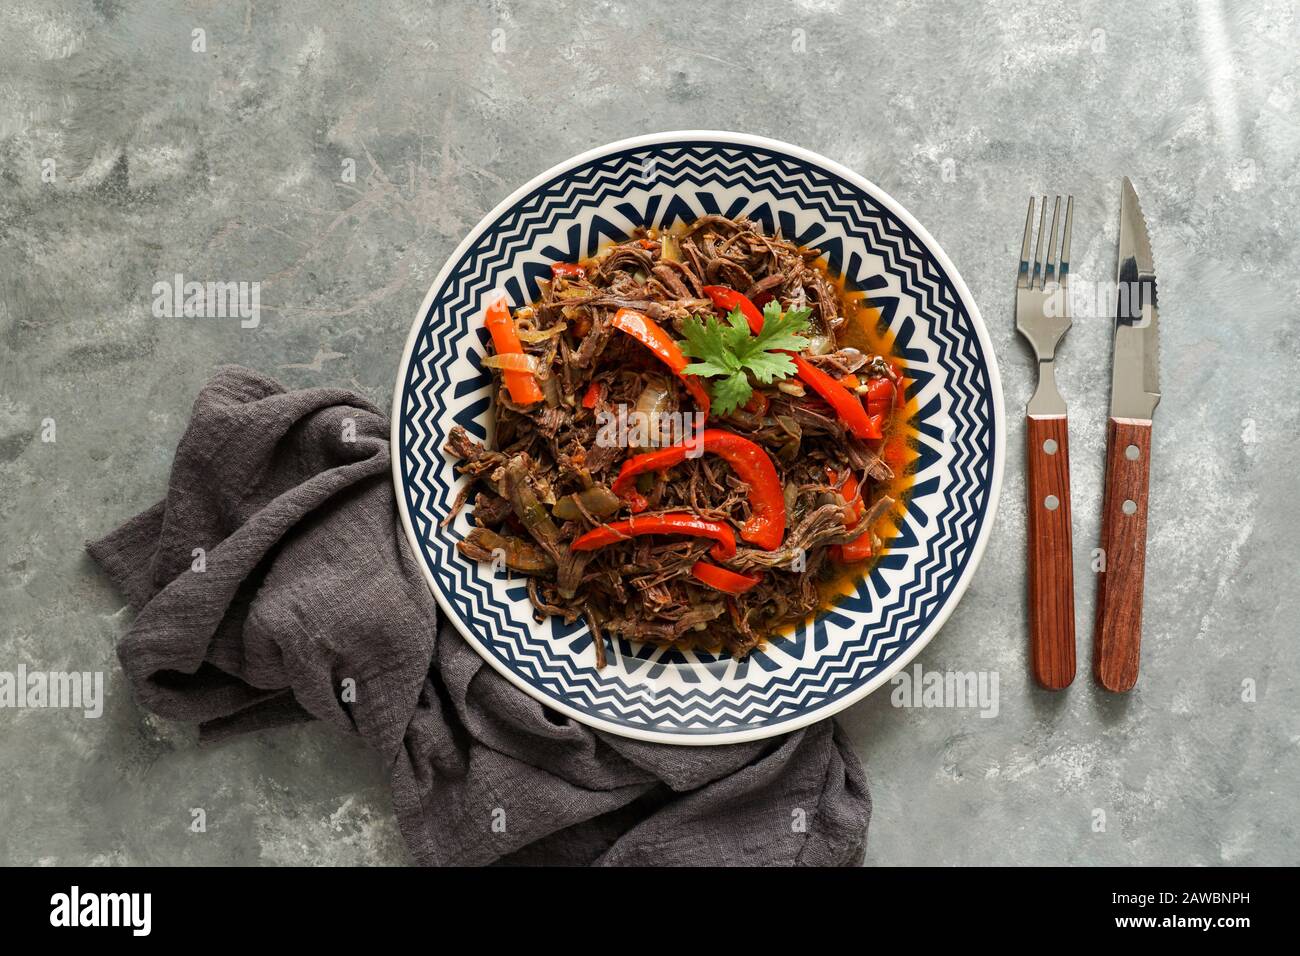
729, 353
730, 393
781, 330
707, 341
769, 367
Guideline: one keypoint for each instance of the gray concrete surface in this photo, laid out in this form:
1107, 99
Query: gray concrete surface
227, 163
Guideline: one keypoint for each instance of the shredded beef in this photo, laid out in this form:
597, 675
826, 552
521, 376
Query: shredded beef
643, 588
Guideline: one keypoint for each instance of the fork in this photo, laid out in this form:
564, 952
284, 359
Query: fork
1043, 318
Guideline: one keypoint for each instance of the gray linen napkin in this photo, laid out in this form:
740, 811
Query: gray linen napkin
310, 604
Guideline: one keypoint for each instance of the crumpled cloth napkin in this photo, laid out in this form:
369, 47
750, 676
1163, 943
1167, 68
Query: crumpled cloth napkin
310, 604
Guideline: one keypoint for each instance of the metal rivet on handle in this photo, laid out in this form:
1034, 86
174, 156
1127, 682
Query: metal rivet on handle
1051, 502
1129, 507
1050, 446
1132, 452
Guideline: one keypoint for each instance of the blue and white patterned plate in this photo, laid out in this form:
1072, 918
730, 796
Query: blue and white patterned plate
849, 650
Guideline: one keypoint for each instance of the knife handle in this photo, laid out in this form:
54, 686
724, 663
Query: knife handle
1051, 556
1118, 637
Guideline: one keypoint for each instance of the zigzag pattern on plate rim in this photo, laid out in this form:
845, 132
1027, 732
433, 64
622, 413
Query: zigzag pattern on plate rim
923, 278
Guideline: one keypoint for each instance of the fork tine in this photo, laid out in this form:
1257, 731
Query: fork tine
1038, 246
1064, 269
1049, 271
1022, 277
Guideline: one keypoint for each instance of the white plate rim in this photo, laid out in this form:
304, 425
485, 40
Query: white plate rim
999, 442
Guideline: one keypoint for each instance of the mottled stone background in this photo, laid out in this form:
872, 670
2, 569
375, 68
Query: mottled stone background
226, 164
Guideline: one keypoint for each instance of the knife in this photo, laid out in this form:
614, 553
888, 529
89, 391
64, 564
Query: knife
1134, 394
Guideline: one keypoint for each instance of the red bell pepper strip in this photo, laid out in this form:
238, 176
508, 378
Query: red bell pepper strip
859, 549
882, 393
661, 344
880, 396
766, 524
675, 522
721, 579
853, 496
846, 404
729, 299
522, 386
851, 493
567, 270
591, 398
758, 403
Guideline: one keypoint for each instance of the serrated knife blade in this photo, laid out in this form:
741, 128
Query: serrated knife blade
1135, 362
1134, 394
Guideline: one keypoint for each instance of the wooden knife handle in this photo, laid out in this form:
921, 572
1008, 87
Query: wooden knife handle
1051, 561
1118, 636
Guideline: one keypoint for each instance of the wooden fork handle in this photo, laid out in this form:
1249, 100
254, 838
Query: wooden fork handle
1051, 563
1118, 637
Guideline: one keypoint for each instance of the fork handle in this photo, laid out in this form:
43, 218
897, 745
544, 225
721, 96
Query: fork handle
1117, 640
1051, 562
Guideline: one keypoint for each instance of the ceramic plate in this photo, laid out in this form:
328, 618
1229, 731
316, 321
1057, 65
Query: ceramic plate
850, 649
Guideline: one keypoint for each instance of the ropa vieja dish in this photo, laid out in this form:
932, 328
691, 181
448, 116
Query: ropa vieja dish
699, 434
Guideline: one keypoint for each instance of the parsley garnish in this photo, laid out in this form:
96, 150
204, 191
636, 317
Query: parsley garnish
728, 353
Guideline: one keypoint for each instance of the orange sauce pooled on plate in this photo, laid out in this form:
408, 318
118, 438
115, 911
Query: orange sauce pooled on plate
865, 330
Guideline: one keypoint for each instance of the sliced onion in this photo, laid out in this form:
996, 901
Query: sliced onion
596, 500
669, 250
650, 404
820, 344
789, 449
852, 358
550, 385
533, 336
512, 362
519, 555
